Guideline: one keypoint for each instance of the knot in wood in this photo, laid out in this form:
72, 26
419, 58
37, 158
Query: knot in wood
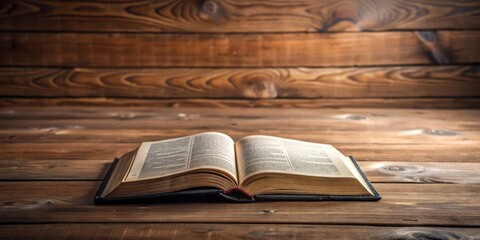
344, 18
210, 7
269, 211
429, 36
397, 169
212, 11
260, 88
424, 233
440, 132
356, 117
394, 168
433, 48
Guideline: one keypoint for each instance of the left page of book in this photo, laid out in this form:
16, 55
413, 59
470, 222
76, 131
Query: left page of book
210, 150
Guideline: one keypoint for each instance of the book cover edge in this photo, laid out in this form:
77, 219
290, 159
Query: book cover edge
98, 199
369, 184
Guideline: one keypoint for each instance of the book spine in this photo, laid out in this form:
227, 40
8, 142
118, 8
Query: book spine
237, 194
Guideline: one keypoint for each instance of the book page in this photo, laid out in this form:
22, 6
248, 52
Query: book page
168, 157
258, 154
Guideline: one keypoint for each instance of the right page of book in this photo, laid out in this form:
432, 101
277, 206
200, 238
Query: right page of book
258, 154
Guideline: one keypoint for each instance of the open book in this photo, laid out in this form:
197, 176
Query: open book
253, 168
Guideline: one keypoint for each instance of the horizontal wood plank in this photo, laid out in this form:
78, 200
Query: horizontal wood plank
72, 135
238, 50
226, 231
412, 122
234, 16
402, 204
200, 114
394, 82
100, 133
377, 172
58, 170
324, 103
462, 152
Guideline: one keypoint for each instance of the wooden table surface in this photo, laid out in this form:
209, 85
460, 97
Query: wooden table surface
424, 162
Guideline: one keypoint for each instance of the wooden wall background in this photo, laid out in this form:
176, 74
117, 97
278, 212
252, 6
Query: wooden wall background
310, 53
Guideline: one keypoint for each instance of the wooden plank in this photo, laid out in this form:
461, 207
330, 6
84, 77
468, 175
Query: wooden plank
340, 122
234, 16
226, 231
134, 125
249, 114
61, 135
414, 103
430, 81
402, 204
461, 152
191, 117
258, 126
202, 114
37, 169
64, 151
377, 172
238, 50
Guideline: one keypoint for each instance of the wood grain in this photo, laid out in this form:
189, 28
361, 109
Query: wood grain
72, 135
51, 169
438, 81
148, 113
227, 231
409, 122
138, 124
234, 16
324, 103
424, 162
260, 125
84, 81
100, 133
460, 152
422, 172
377, 172
402, 205
233, 50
